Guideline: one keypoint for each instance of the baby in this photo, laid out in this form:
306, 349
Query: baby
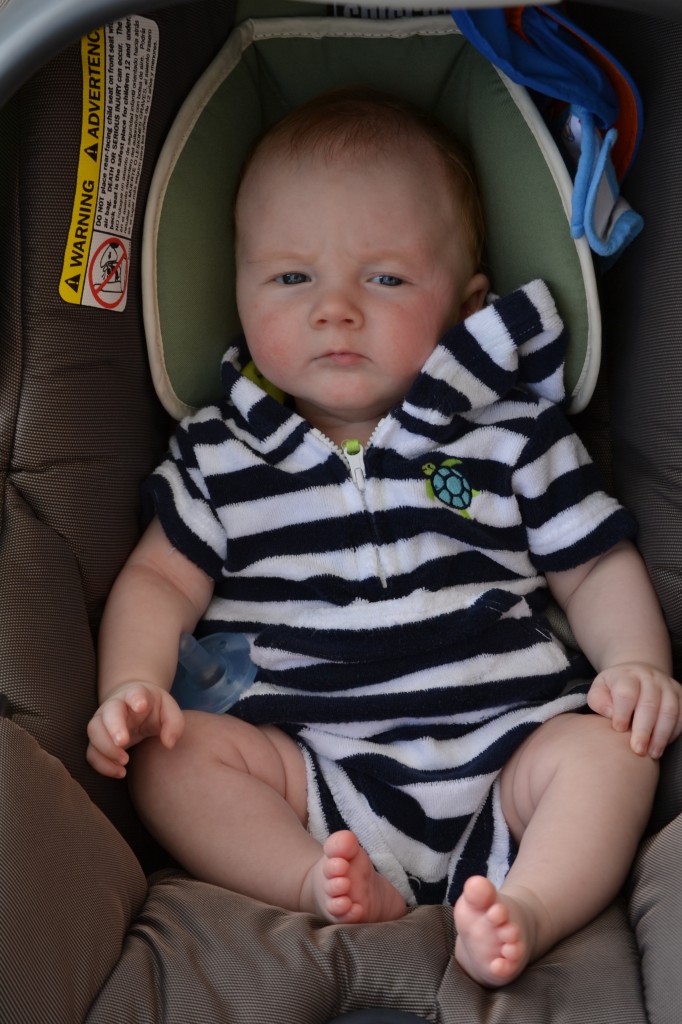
383, 502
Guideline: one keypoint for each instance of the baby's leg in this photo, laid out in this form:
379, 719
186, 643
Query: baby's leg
230, 803
576, 799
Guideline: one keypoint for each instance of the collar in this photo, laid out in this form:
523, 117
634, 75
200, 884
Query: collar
516, 341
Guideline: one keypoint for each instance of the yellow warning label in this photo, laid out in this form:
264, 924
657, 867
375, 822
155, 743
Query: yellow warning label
93, 57
118, 71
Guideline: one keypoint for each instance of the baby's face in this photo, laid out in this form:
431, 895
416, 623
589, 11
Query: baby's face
347, 276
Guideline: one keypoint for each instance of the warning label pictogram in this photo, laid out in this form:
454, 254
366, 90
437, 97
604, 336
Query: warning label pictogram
119, 68
108, 273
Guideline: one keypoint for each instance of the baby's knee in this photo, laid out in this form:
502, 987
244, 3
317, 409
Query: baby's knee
576, 755
150, 771
587, 734
590, 742
584, 746
617, 747
155, 770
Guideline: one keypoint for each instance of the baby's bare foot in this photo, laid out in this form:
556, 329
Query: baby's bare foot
495, 933
344, 888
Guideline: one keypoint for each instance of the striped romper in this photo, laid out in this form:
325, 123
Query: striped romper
394, 596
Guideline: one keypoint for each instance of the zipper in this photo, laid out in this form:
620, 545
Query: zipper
353, 454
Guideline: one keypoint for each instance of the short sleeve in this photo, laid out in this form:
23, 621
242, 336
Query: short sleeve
180, 495
568, 515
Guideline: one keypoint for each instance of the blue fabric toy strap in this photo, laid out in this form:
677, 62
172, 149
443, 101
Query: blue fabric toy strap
589, 101
542, 59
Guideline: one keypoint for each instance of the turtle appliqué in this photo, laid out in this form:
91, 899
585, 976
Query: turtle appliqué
449, 486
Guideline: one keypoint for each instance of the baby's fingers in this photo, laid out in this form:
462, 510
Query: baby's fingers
104, 754
665, 727
172, 722
132, 714
641, 698
627, 698
615, 702
147, 711
112, 766
647, 728
122, 714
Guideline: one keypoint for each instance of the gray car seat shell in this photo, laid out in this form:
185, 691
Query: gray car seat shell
89, 931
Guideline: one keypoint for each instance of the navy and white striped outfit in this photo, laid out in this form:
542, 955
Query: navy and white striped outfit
395, 601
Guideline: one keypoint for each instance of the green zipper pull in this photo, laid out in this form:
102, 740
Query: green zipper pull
355, 457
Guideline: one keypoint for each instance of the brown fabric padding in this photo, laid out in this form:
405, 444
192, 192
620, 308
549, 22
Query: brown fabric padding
655, 915
202, 954
668, 801
215, 955
69, 888
80, 426
79, 930
642, 310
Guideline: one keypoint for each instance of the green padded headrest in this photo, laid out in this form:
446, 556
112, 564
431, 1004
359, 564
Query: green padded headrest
267, 68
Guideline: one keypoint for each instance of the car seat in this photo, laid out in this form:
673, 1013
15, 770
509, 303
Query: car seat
95, 923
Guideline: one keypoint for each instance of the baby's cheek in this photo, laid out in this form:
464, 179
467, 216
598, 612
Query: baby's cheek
273, 350
411, 348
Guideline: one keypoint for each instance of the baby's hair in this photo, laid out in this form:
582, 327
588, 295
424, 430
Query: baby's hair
360, 121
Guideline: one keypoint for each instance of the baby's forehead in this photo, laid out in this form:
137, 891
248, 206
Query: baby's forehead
278, 160
300, 207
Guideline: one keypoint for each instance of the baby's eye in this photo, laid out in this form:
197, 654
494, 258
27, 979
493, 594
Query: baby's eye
388, 280
293, 277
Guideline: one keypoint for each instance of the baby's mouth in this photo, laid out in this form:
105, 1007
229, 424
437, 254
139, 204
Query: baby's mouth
343, 357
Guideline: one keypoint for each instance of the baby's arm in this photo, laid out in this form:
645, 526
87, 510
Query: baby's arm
615, 616
158, 595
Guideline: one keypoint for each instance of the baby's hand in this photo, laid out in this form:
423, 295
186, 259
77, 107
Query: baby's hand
130, 714
641, 698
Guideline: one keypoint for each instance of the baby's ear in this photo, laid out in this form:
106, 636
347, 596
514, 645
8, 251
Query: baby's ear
474, 295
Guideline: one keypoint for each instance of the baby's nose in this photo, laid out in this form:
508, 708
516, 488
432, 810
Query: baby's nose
336, 306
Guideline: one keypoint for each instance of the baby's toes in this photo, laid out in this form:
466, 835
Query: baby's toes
338, 885
497, 915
